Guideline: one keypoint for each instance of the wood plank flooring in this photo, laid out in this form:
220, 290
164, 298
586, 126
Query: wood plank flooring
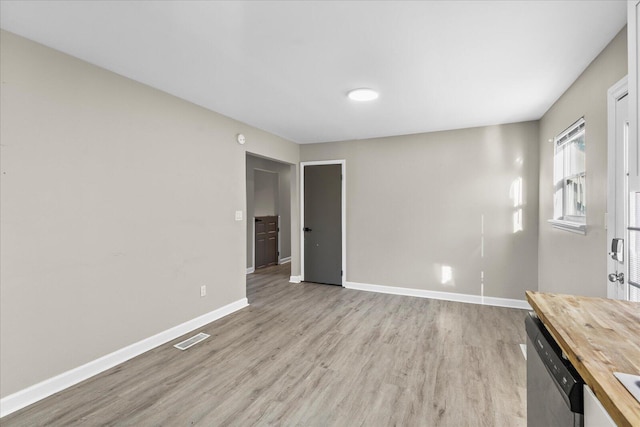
315, 355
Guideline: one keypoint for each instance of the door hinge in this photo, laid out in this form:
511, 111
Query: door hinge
278, 229
341, 273
278, 253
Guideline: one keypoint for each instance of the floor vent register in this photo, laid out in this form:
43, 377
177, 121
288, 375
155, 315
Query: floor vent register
191, 341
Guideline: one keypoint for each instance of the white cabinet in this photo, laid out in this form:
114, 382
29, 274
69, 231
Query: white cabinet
594, 413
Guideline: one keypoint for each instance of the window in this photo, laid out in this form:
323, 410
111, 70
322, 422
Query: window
634, 247
569, 171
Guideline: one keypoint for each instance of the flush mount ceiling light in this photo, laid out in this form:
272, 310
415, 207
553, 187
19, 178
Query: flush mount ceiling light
362, 94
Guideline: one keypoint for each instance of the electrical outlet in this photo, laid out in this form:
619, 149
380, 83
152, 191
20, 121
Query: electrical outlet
238, 215
203, 290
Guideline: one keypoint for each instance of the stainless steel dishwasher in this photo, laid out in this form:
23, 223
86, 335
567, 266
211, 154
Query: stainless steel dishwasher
554, 388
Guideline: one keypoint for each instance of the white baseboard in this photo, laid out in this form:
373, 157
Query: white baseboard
295, 279
449, 296
250, 270
285, 260
67, 379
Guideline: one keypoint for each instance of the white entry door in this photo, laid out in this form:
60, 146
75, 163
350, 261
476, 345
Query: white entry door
618, 193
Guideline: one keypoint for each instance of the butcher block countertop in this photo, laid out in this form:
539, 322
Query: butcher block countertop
599, 336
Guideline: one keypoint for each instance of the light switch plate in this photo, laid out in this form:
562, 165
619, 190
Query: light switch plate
238, 215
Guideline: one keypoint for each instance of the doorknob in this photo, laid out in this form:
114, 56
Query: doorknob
306, 229
613, 277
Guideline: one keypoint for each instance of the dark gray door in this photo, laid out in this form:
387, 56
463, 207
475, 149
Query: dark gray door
323, 224
266, 245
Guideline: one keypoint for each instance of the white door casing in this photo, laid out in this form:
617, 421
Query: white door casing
343, 208
618, 189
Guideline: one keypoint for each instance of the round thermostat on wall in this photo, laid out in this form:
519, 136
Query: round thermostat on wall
240, 138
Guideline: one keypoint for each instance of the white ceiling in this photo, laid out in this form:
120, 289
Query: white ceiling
285, 66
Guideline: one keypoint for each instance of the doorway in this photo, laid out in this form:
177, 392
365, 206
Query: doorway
618, 192
323, 214
269, 186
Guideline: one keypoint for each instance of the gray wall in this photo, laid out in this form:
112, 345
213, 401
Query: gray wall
265, 193
568, 262
117, 203
285, 209
415, 203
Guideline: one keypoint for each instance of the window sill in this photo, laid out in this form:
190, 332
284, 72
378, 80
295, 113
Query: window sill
574, 227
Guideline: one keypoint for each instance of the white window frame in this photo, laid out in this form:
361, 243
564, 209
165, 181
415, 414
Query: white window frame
576, 224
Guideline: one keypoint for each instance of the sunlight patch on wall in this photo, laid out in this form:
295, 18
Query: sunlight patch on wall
481, 236
516, 194
517, 220
447, 274
444, 273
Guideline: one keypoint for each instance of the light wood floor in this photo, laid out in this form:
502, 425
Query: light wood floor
316, 355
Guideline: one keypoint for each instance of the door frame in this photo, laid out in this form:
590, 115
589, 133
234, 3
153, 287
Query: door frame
614, 94
343, 208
